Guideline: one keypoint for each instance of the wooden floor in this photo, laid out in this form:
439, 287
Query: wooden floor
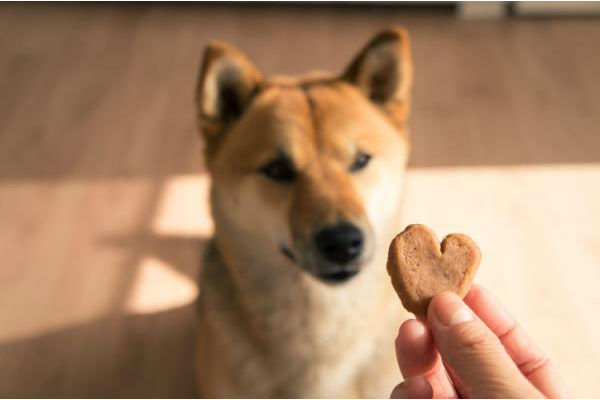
103, 194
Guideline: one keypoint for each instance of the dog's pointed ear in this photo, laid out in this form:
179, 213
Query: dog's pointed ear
383, 71
227, 82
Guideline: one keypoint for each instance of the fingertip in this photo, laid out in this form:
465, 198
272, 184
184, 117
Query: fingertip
414, 348
474, 293
447, 308
440, 299
412, 329
490, 310
398, 392
478, 294
416, 387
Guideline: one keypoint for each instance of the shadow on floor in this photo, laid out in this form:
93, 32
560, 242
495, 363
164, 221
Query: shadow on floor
113, 357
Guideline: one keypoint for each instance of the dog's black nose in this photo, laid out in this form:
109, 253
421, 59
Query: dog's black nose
340, 243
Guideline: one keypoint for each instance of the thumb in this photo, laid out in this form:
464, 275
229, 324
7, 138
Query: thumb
472, 351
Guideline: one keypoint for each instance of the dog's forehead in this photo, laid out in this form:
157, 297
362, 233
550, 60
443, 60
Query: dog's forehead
298, 118
305, 119
280, 115
345, 121
338, 107
325, 107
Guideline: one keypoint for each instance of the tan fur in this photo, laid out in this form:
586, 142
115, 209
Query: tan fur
268, 328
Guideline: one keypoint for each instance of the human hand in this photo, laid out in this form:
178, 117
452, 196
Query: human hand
471, 349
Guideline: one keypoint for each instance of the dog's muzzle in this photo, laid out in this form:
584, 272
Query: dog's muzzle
335, 254
340, 244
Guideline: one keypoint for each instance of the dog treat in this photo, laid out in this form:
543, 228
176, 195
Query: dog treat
420, 269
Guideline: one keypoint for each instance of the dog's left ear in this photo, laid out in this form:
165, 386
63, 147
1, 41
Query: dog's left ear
383, 71
227, 83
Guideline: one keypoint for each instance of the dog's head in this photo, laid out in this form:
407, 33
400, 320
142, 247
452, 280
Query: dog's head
312, 167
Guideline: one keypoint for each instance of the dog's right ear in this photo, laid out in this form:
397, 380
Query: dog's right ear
227, 82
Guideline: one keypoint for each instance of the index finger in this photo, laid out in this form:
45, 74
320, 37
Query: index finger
532, 362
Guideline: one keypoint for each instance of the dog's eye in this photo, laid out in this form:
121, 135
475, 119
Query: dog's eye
362, 159
279, 170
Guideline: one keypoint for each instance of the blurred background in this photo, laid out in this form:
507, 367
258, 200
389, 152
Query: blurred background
103, 193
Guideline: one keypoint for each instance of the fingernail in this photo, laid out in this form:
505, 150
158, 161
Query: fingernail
450, 310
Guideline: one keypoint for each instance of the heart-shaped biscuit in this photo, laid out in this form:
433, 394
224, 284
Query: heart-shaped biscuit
420, 269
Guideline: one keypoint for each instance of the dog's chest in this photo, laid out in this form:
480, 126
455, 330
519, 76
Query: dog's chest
297, 336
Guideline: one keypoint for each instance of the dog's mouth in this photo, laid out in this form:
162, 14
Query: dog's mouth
332, 276
287, 253
338, 276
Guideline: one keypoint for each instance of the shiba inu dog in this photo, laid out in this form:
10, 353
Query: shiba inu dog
307, 177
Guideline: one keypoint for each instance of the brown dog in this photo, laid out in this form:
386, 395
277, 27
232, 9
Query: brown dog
307, 178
